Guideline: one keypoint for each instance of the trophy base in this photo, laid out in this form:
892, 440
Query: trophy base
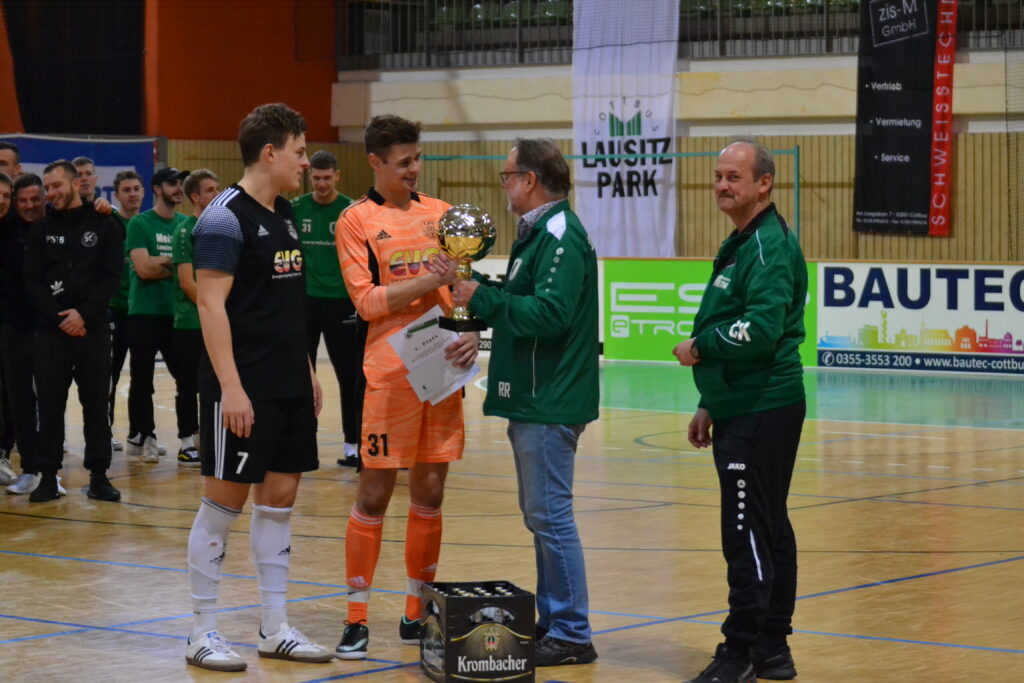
460, 326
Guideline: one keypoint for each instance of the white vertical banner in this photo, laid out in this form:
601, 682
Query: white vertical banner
623, 75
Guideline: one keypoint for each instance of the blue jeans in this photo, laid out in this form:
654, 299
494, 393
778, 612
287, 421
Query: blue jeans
545, 456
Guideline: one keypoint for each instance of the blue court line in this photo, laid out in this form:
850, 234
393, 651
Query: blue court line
178, 571
847, 473
925, 502
86, 627
116, 629
692, 617
121, 627
709, 489
241, 576
367, 672
889, 475
884, 639
834, 591
83, 628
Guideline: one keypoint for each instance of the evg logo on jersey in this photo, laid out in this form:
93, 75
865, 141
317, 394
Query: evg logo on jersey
288, 260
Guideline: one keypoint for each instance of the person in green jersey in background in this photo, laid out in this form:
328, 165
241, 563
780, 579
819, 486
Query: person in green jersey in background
201, 186
128, 194
150, 319
329, 310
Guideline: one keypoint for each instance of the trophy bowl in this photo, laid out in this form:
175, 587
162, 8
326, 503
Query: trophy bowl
466, 234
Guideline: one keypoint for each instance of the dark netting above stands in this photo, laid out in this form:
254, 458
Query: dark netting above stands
432, 34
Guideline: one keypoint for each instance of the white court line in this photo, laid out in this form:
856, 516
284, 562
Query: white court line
812, 459
853, 462
898, 436
822, 419
983, 469
895, 464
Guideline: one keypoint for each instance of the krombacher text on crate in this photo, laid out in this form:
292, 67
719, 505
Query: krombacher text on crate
477, 631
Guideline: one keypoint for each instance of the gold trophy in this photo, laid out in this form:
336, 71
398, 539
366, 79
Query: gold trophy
465, 233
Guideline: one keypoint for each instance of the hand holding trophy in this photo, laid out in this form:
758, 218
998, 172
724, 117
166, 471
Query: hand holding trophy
465, 233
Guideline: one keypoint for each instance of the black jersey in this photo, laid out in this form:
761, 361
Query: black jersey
72, 260
267, 304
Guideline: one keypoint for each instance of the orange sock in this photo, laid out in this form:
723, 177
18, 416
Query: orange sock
362, 547
422, 548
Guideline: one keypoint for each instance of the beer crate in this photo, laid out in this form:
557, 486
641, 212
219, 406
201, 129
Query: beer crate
477, 631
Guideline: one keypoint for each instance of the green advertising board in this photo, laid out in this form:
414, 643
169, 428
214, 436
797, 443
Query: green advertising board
649, 307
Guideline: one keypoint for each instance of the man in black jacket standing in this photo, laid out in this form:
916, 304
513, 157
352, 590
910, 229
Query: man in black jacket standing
73, 261
17, 335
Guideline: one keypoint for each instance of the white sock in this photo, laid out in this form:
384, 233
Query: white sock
207, 544
271, 539
188, 442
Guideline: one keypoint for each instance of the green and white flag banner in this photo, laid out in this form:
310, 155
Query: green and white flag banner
623, 69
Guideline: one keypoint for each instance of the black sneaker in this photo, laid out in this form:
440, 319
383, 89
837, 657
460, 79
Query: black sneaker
775, 664
100, 488
48, 489
353, 642
410, 632
725, 667
556, 652
349, 461
188, 457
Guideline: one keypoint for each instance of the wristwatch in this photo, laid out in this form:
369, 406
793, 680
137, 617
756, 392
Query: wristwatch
694, 351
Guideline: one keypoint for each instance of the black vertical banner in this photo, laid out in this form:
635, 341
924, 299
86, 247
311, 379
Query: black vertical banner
895, 74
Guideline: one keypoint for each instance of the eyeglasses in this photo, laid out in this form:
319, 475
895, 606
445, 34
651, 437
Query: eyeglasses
503, 176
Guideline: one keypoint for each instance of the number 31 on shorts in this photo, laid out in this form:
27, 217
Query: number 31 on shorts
378, 445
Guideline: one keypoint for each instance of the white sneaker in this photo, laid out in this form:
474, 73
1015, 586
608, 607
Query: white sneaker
150, 450
211, 652
60, 489
26, 484
7, 475
289, 644
116, 445
136, 446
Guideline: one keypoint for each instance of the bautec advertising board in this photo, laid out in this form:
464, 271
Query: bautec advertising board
938, 317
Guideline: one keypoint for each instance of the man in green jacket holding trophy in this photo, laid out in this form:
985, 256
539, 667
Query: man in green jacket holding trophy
543, 377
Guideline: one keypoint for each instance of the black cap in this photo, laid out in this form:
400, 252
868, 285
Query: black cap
168, 175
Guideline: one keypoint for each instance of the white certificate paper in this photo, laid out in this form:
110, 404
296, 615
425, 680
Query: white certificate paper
420, 345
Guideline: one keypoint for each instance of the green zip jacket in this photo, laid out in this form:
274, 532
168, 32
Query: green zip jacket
751, 321
544, 355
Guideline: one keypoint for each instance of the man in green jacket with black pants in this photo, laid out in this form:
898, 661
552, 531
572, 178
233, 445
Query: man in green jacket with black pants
543, 378
746, 363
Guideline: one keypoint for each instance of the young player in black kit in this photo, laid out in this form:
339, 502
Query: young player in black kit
258, 395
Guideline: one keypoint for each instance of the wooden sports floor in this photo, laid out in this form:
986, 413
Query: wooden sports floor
908, 503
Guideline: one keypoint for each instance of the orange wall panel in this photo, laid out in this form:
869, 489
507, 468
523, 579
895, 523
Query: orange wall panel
209, 63
10, 117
